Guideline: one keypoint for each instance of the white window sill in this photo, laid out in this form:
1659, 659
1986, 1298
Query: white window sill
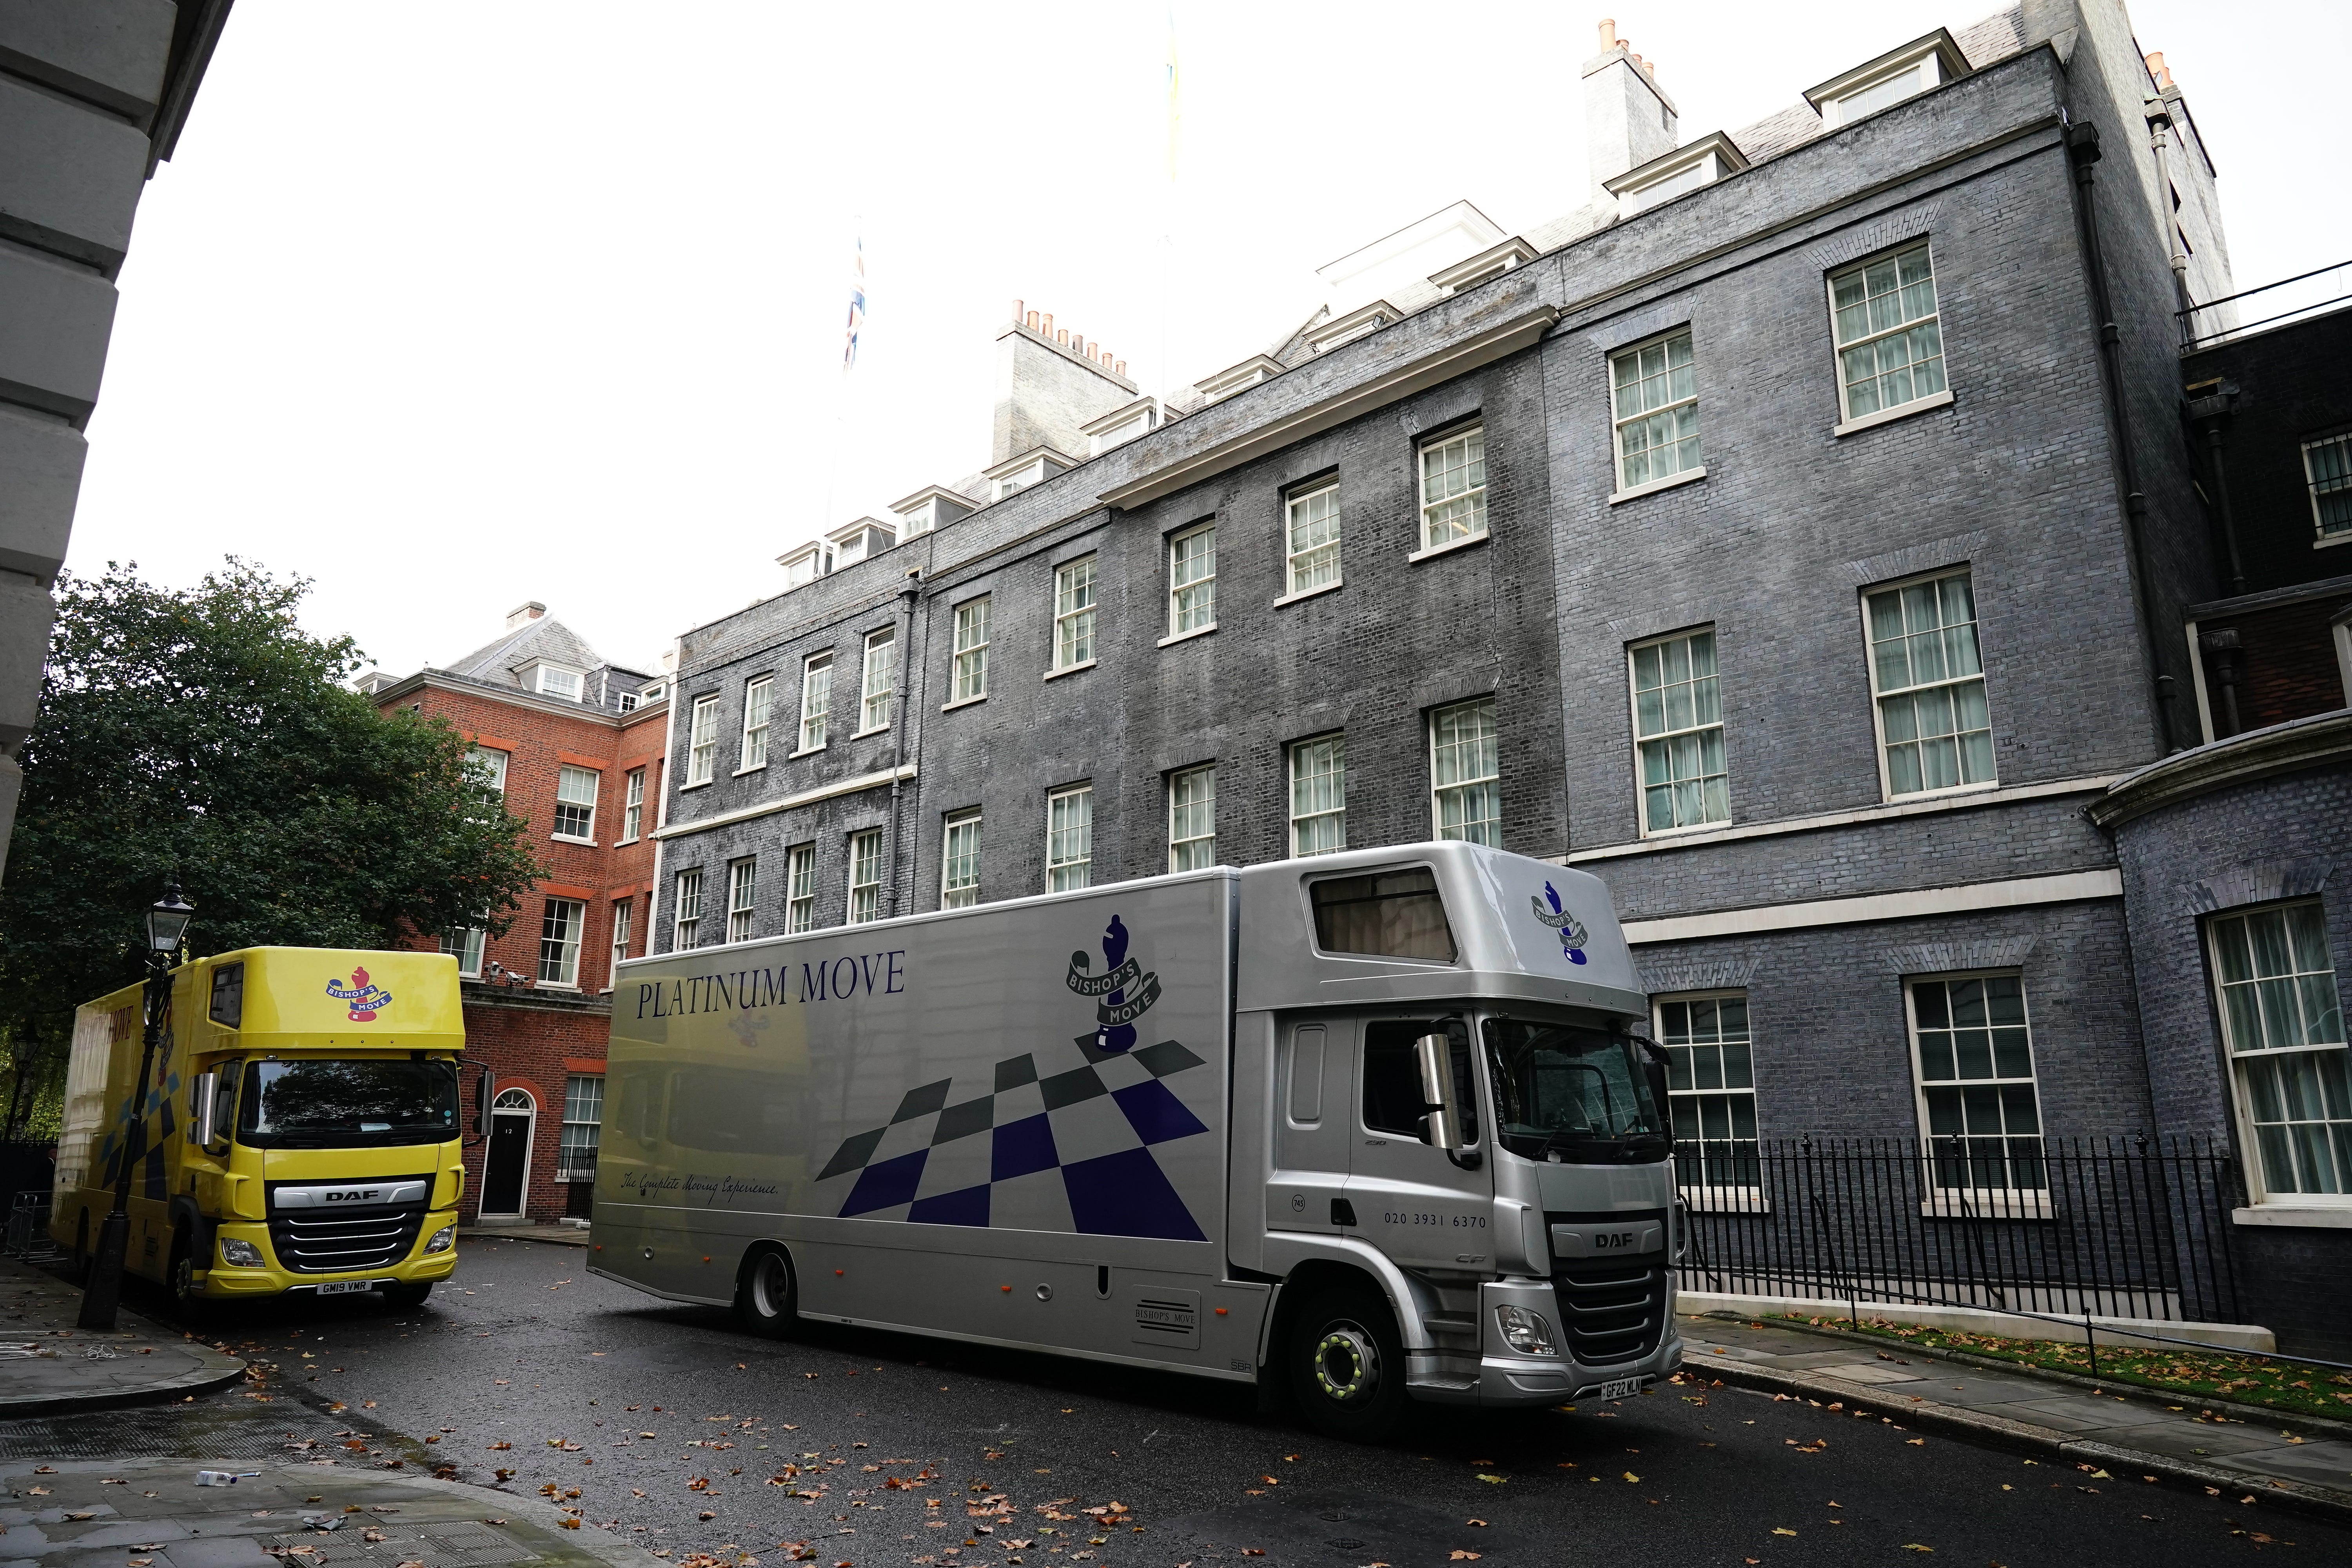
1188, 637
1668, 835
1292, 598
695, 784
1069, 669
556, 985
623, 842
952, 707
804, 752
1902, 411
877, 730
1952, 1203
2311, 1217
572, 838
1688, 475
2333, 539
1449, 547
751, 768
1986, 787
476, 975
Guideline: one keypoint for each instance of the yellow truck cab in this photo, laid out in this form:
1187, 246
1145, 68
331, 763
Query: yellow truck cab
301, 1132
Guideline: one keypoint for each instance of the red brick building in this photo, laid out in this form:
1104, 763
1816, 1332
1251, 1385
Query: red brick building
576, 744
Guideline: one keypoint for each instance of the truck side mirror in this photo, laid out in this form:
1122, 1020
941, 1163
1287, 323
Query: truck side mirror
1442, 1124
200, 1110
486, 1088
1654, 1068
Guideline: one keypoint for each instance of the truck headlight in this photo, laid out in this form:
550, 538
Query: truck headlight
239, 1254
1524, 1331
443, 1239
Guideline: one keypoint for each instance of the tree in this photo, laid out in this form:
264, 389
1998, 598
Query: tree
204, 734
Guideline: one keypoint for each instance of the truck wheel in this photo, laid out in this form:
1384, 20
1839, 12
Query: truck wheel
1347, 1364
181, 1278
767, 1296
81, 1258
407, 1296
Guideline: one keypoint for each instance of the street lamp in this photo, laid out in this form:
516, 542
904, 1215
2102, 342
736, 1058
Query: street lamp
167, 923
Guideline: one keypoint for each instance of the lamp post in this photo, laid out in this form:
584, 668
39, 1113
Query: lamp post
167, 923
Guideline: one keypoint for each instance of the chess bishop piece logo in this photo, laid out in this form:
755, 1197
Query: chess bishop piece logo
1125, 993
1571, 934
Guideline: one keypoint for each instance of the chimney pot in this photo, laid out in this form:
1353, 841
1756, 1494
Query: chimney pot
1063, 337
1608, 34
1119, 368
1033, 321
1016, 309
1048, 328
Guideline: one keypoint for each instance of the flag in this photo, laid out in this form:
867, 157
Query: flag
856, 311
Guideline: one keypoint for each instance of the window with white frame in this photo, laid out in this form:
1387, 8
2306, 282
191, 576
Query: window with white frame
1466, 772
2283, 1019
632, 809
1318, 795
816, 700
799, 889
1927, 672
621, 910
960, 863
1192, 819
1193, 580
625, 701
1654, 394
557, 682
1453, 488
756, 694
575, 803
1069, 838
865, 876
743, 896
1890, 345
1978, 1104
1678, 732
968, 676
1314, 539
702, 740
559, 942
2328, 469
689, 909
466, 946
880, 646
1073, 613
1711, 1085
583, 1112
489, 768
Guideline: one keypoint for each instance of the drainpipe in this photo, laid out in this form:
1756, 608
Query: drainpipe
2213, 413
2160, 138
908, 665
2083, 153
2229, 669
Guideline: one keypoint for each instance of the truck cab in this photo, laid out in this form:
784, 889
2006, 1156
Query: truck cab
1440, 1068
299, 1131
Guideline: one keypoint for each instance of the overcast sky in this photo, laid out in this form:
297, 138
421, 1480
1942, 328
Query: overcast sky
450, 306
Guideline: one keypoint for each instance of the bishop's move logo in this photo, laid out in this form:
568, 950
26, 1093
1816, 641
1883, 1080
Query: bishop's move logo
1116, 1012
366, 998
1571, 934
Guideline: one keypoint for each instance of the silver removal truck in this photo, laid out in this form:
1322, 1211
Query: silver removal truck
1372, 1127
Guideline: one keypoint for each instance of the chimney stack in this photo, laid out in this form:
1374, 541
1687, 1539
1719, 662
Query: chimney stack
523, 615
1628, 118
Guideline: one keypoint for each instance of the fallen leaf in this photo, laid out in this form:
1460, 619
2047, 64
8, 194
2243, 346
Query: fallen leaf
1914, 1546
1778, 1530
1479, 1522
1458, 1556
1916, 1442
1492, 1481
1632, 1477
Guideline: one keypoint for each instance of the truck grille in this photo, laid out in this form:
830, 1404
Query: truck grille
1611, 1311
344, 1241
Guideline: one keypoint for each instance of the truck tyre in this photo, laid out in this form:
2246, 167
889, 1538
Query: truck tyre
767, 1293
181, 1278
404, 1297
1347, 1364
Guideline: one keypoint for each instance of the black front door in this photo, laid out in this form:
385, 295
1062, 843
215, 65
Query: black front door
502, 1175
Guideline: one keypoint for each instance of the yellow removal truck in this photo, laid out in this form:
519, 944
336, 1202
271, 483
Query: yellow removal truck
300, 1132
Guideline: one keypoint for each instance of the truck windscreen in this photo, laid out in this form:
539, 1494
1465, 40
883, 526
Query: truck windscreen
1572, 1090
337, 1104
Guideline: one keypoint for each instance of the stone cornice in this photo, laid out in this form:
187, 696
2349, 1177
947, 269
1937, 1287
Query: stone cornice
2286, 748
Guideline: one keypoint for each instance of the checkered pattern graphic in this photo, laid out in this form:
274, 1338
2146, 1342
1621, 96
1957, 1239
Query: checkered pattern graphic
1068, 1152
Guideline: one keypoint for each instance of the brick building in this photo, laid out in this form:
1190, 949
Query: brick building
575, 744
1798, 534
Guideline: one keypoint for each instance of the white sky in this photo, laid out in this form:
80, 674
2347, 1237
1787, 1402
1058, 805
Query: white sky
454, 305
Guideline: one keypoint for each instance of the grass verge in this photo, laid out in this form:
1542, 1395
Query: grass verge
2272, 1384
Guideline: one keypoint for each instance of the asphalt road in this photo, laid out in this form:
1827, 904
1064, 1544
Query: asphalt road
672, 1428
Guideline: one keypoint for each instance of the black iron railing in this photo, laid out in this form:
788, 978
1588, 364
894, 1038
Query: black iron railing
2123, 1227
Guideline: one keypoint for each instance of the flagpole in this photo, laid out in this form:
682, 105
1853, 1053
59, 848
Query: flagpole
1168, 215
848, 363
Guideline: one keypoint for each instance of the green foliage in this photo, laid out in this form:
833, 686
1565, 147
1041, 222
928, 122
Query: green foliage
203, 734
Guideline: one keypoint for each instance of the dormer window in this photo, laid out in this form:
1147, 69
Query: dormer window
1921, 66
808, 564
1355, 324
1033, 467
1019, 478
853, 541
1121, 426
554, 680
931, 507
1249, 373
1484, 266
1685, 168
652, 692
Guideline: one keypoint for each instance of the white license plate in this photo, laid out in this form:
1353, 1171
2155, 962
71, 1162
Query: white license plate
349, 1286
1623, 1388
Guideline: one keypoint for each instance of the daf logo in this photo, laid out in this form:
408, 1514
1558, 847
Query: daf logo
359, 1195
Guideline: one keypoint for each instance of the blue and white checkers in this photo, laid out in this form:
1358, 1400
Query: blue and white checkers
1070, 1152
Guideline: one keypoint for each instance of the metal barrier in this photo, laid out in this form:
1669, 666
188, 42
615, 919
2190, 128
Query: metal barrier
2124, 1227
